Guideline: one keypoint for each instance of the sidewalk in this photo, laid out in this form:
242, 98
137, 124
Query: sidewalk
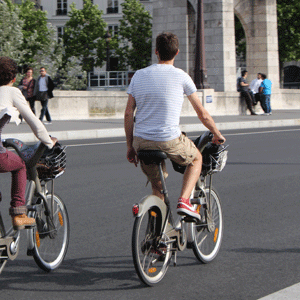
103, 128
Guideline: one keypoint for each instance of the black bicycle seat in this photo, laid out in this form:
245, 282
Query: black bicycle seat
151, 156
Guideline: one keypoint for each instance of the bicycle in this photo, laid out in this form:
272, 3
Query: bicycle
48, 240
156, 238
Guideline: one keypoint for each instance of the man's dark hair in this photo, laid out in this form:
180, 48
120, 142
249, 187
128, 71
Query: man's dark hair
8, 70
167, 45
263, 76
244, 72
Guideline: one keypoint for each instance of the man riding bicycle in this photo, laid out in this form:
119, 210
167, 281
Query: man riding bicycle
156, 94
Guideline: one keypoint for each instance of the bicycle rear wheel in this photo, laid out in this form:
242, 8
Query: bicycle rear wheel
207, 237
151, 256
51, 237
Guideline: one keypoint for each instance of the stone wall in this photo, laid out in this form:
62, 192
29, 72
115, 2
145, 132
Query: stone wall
75, 105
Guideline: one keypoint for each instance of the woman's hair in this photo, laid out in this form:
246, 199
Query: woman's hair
167, 45
28, 69
8, 70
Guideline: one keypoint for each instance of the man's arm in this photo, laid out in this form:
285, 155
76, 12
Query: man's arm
206, 118
128, 125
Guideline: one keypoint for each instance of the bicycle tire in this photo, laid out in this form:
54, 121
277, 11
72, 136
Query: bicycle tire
150, 261
206, 243
51, 245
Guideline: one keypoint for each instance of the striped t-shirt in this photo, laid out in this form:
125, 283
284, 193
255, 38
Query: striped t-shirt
158, 91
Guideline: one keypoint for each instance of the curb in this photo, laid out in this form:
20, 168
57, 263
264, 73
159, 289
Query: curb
119, 132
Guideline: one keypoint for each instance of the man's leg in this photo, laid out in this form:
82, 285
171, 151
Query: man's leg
263, 103
248, 100
191, 176
47, 113
157, 189
267, 103
31, 102
44, 108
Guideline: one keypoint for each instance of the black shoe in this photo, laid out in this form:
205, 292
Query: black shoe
253, 113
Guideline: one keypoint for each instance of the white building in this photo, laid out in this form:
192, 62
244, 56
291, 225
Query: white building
57, 13
112, 11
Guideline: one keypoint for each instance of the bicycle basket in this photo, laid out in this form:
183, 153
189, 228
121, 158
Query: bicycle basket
214, 159
53, 163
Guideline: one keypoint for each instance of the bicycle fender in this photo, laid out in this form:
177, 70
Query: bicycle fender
150, 201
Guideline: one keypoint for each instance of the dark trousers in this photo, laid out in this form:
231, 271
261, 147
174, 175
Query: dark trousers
31, 103
43, 97
45, 111
246, 95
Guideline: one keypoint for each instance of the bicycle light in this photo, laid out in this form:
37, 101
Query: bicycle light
135, 210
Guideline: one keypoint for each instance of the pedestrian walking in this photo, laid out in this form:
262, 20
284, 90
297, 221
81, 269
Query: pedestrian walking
44, 91
266, 90
26, 85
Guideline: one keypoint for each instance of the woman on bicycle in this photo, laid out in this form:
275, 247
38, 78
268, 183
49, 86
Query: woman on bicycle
12, 102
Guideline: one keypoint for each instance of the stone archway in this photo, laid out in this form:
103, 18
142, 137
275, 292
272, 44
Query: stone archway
259, 19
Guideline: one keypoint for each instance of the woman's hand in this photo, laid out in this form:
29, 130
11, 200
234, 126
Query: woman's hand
54, 140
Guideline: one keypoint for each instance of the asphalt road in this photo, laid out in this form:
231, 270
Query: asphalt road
261, 244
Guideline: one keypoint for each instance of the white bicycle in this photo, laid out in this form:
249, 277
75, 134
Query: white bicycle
156, 238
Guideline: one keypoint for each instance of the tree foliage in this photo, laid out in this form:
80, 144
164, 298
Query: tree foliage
288, 14
11, 34
37, 35
135, 36
240, 39
83, 35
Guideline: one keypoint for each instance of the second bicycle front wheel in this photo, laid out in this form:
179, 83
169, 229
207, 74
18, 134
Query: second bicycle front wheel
207, 236
151, 254
51, 236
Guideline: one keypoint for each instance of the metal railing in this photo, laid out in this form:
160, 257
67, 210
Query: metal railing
112, 79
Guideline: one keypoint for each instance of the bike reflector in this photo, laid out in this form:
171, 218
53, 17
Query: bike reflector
135, 210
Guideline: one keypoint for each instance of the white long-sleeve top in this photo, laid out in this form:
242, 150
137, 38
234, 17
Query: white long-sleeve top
12, 102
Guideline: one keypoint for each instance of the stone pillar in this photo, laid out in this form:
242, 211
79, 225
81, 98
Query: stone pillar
171, 15
220, 44
259, 19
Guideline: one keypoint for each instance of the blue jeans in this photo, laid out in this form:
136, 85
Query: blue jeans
265, 103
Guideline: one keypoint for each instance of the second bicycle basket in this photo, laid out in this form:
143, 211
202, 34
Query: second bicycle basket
53, 163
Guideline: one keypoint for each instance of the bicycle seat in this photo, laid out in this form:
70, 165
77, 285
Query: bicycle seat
151, 156
30, 154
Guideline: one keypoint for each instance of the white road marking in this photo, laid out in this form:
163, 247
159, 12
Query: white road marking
228, 134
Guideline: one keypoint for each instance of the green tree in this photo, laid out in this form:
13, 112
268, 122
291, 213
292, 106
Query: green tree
11, 34
135, 36
240, 39
83, 35
288, 14
37, 35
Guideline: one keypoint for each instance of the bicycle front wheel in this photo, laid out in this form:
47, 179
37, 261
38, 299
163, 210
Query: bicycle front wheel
151, 254
207, 236
51, 236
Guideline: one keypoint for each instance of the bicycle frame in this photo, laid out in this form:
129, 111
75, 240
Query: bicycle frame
9, 241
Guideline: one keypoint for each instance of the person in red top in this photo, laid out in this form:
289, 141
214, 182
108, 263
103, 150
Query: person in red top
26, 85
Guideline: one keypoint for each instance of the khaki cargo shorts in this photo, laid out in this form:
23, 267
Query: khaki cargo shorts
180, 150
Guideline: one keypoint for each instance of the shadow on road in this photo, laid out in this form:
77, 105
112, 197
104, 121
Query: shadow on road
84, 274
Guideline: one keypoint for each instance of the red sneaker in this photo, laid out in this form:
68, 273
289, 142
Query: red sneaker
184, 207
